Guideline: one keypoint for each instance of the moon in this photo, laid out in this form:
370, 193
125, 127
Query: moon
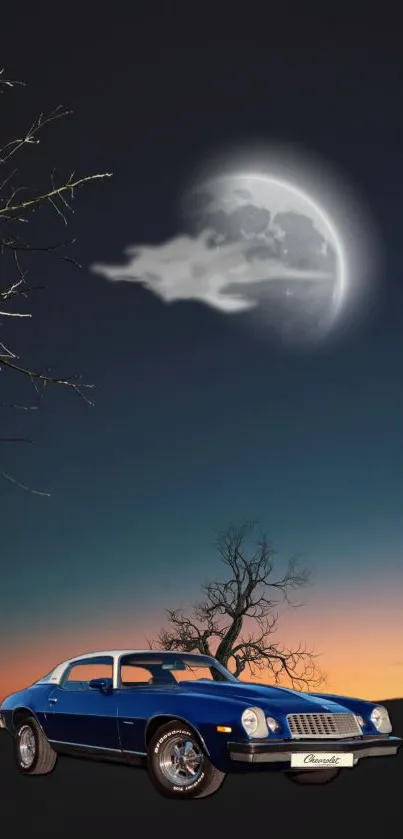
299, 279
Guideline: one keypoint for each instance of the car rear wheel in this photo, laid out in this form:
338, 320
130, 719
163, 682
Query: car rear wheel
33, 753
313, 777
178, 765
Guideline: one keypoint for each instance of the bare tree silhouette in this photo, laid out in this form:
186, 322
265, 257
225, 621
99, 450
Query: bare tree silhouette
237, 619
17, 206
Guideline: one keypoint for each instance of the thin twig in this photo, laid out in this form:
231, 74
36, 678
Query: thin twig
15, 440
23, 486
19, 407
54, 192
42, 377
15, 315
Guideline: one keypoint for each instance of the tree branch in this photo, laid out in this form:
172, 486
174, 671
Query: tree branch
17, 206
249, 596
70, 186
44, 379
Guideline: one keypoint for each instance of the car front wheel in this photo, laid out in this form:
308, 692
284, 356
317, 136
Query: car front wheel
33, 752
178, 765
313, 777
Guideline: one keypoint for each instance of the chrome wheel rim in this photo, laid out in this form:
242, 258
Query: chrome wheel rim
27, 746
181, 761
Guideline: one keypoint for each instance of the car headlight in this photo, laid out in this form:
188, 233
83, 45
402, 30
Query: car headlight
254, 723
380, 719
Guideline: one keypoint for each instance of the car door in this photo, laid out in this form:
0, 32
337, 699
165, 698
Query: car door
136, 700
82, 716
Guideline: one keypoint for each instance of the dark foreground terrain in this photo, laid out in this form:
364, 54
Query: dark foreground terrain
84, 798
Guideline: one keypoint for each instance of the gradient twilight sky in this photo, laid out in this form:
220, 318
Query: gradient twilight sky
198, 422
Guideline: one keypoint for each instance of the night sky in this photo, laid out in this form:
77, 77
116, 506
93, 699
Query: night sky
198, 421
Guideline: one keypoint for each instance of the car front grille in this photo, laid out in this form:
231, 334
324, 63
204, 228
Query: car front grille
311, 726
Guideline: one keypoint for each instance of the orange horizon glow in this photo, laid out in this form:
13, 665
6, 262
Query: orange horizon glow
358, 639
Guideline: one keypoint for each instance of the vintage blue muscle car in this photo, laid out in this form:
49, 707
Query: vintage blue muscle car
190, 720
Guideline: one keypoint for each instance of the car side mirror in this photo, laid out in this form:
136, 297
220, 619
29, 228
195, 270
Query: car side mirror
103, 685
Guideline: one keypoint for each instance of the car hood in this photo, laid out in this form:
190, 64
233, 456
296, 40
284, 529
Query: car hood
284, 699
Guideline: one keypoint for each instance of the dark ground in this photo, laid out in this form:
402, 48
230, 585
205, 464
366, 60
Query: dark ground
84, 797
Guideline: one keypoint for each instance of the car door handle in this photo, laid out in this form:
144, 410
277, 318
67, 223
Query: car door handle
53, 700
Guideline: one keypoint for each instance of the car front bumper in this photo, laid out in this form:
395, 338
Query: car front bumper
280, 751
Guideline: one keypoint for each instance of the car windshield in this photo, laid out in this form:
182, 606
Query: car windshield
170, 669
197, 673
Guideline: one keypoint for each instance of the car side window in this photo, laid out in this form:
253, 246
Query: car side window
133, 675
79, 675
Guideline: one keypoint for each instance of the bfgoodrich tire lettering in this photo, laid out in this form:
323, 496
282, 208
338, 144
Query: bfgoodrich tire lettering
178, 765
33, 752
313, 777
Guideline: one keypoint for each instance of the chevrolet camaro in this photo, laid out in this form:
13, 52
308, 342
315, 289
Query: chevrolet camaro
190, 721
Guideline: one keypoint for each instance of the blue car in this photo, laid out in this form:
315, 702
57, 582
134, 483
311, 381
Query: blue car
190, 721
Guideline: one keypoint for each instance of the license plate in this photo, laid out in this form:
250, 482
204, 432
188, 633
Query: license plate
322, 760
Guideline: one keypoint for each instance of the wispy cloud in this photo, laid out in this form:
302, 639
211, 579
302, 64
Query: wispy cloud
196, 268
